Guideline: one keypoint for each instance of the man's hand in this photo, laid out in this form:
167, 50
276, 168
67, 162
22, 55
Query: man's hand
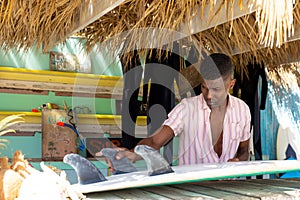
233, 160
122, 152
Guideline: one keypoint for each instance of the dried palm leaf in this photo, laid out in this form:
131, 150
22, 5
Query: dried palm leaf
7, 122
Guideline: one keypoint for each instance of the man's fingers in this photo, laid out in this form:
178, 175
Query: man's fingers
118, 149
98, 154
233, 160
109, 165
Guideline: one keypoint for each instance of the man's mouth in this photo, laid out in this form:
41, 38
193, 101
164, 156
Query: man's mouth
210, 102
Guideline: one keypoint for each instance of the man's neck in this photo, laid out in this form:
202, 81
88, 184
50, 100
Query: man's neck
221, 107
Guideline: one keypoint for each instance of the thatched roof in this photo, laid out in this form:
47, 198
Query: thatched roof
229, 26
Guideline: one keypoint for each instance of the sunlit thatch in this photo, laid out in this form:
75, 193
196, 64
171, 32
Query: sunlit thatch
140, 24
40, 22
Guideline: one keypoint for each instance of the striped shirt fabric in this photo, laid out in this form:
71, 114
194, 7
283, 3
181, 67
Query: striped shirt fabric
190, 122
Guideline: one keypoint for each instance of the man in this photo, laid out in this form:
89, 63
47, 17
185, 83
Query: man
212, 127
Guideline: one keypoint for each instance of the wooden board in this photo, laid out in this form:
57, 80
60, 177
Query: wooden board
248, 189
191, 173
56, 141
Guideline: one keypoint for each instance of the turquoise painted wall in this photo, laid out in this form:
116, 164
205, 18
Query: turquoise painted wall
26, 102
22, 143
36, 60
32, 59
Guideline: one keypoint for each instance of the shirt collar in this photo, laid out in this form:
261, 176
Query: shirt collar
205, 106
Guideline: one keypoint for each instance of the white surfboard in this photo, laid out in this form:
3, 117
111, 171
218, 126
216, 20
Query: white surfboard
285, 137
191, 173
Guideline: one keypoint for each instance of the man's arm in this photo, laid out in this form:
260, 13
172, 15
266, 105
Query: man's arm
160, 138
242, 153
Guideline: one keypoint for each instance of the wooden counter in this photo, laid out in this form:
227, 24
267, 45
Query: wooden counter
280, 189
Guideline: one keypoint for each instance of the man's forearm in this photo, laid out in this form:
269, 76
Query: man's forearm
243, 155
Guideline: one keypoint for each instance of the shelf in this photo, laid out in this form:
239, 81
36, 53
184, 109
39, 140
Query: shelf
87, 123
36, 118
69, 83
19, 80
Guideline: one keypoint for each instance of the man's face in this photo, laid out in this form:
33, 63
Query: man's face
215, 91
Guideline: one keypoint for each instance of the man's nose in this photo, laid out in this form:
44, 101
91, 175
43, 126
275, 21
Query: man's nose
208, 94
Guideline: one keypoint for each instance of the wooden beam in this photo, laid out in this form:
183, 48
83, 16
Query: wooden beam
17, 80
60, 89
97, 8
211, 17
87, 130
90, 95
23, 91
88, 119
215, 16
87, 123
20, 80
293, 38
44, 76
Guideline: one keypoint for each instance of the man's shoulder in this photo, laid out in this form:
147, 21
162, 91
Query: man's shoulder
236, 100
191, 99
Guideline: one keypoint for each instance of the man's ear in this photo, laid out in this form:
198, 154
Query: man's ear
232, 82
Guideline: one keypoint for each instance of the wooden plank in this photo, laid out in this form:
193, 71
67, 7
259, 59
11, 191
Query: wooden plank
30, 117
245, 188
23, 91
278, 192
68, 82
212, 17
64, 83
87, 130
175, 193
11, 73
66, 88
98, 8
295, 37
288, 183
138, 194
103, 195
220, 194
225, 189
125, 194
95, 124
35, 118
90, 95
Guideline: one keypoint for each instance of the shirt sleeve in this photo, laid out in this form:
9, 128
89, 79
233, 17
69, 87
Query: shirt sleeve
175, 120
247, 127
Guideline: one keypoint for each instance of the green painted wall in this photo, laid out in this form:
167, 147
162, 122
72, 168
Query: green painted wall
32, 59
31, 146
22, 143
25, 102
36, 60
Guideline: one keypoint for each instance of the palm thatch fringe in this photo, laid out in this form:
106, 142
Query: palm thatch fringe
146, 24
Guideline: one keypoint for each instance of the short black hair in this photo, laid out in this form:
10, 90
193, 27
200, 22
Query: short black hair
215, 66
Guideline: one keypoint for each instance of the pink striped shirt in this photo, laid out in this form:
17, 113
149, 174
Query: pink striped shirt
190, 122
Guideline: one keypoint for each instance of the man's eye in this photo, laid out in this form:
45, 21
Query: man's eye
215, 89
